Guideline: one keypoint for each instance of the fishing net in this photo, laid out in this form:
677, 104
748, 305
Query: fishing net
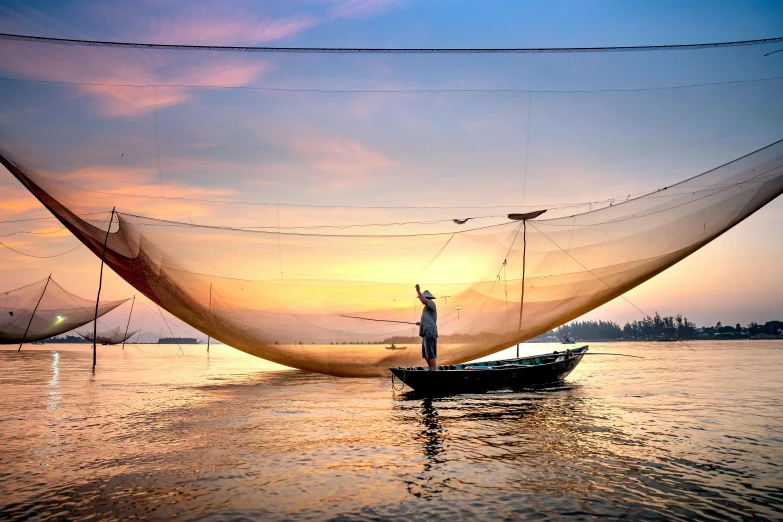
111, 336
285, 203
53, 311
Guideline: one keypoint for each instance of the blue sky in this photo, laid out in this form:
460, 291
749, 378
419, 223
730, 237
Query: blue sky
406, 23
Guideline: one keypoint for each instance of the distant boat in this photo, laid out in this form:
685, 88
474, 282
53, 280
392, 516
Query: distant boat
568, 340
492, 375
393, 347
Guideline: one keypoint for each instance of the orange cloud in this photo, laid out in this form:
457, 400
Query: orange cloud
18, 205
132, 101
130, 83
348, 156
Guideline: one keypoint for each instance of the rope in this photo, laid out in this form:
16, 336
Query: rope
157, 144
43, 257
377, 320
156, 322
437, 255
73, 297
169, 327
40, 257
32, 232
364, 225
637, 195
151, 311
527, 145
497, 277
601, 280
181, 224
6, 293
41, 218
616, 354
306, 205
394, 388
371, 50
395, 91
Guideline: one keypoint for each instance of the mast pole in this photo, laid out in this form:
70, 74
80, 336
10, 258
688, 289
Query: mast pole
522, 296
128, 325
210, 311
98, 299
523, 218
524, 255
34, 310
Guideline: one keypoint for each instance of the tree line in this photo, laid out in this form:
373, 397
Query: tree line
660, 327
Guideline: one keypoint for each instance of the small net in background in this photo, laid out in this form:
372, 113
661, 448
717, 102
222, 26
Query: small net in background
53, 311
111, 336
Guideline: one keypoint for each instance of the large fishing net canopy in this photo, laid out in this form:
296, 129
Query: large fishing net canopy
115, 335
44, 309
285, 202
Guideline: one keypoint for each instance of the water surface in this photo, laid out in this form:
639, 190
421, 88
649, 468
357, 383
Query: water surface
681, 434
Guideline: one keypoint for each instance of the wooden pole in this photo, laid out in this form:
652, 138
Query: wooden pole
128, 325
524, 256
523, 218
98, 299
34, 310
210, 311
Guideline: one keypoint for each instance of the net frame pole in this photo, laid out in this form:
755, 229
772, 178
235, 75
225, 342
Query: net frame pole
523, 218
124, 338
210, 312
34, 310
522, 283
522, 293
98, 299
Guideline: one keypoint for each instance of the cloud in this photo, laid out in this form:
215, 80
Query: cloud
132, 101
18, 205
346, 157
214, 24
131, 83
236, 28
347, 8
209, 23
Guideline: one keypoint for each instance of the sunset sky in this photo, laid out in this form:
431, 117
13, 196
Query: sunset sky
737, 278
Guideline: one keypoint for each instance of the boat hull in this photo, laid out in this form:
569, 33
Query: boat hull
519, 373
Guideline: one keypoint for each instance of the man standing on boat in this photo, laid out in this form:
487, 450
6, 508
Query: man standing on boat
428, 328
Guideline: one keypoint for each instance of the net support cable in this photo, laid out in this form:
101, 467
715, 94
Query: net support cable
125, 337
376, 50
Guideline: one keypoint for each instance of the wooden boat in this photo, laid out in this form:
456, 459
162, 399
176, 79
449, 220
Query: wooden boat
492, 375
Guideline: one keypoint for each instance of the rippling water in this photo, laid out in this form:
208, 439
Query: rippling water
679, 434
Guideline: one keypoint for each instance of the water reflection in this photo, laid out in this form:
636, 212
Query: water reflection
54, 382
162, 435
431, 438
506, 441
